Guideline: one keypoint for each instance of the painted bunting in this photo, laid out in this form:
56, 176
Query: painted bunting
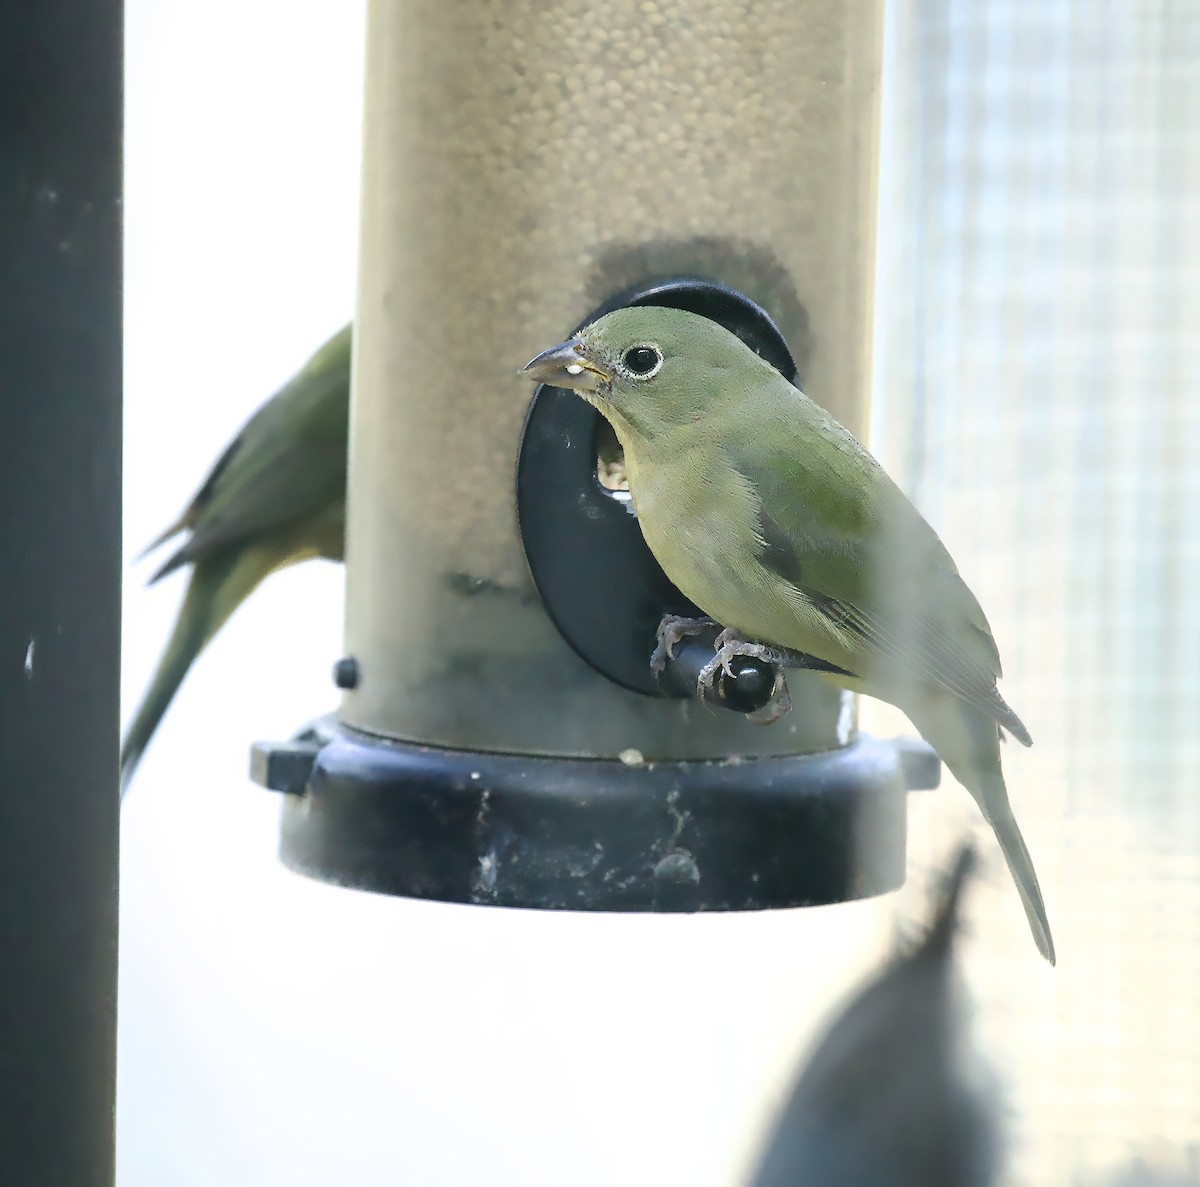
276, 496
888, 1098
780, 526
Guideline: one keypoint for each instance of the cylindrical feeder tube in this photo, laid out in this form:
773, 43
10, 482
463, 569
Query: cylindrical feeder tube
524, 162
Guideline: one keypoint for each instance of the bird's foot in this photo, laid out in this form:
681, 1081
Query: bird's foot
673, 629
731, 645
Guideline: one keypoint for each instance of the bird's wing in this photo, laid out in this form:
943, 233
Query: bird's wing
838, 530
288, 461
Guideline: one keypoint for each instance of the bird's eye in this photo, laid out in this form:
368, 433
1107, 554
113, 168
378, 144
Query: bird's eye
642, 361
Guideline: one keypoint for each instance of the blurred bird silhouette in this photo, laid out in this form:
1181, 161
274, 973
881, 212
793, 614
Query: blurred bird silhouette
275, 497
887, 1098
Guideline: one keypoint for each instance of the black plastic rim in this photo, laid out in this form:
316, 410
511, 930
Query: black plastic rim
595, 835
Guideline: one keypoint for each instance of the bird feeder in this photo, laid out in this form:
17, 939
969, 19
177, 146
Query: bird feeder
501, 739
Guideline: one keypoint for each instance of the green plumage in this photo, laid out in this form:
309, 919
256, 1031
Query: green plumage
776, 522
275, 497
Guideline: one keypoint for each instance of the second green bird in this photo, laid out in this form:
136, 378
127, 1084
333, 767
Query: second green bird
276, 496
780, 526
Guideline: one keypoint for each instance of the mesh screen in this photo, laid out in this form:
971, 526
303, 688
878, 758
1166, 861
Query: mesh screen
1038, 393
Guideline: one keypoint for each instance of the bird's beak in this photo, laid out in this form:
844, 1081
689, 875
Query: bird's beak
566, 365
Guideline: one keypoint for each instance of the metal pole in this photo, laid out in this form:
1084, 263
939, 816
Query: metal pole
60, 502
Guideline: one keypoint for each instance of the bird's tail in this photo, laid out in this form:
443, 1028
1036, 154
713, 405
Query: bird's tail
969, 744
217, 585
1020, 865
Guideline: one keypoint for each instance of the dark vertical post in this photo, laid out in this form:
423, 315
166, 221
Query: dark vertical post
60, 503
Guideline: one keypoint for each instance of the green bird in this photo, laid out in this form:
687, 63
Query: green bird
275, 497
775, 521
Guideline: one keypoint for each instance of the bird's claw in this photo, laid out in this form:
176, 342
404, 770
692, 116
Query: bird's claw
673, 629
731, 645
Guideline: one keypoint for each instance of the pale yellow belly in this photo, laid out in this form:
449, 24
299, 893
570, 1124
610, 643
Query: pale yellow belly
710, 553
